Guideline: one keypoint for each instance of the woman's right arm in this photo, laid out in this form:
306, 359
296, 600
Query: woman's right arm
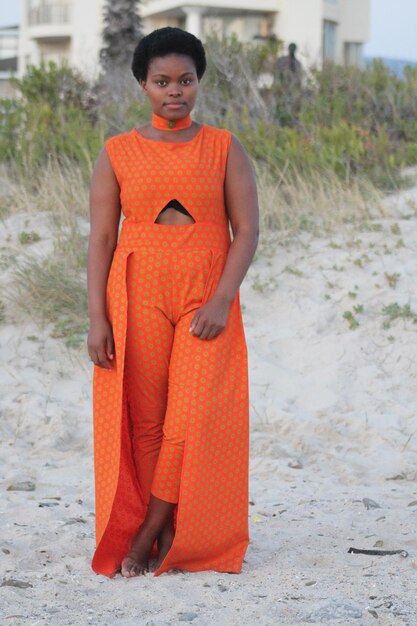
104, 226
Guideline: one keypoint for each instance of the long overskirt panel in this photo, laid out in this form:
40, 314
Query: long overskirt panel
211, 517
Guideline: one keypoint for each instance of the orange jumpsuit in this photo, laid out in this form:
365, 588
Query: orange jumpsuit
172, 415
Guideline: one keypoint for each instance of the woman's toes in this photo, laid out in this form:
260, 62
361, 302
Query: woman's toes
131, 568
156, 564
136, 570
125, 568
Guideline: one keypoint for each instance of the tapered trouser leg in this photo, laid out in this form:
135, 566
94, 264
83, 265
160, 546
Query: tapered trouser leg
158, 378
182, 387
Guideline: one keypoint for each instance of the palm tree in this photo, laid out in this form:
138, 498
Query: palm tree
122, 31
116, 87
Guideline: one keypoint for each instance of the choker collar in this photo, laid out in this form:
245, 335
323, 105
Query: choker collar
161, 122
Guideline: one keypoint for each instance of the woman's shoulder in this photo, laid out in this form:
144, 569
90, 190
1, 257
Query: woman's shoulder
221, 137
118, 145
217, 131
118, 138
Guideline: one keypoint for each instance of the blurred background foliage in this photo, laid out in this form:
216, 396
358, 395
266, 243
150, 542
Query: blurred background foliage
351, 121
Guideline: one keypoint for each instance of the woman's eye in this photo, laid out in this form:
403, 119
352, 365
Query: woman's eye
186, 81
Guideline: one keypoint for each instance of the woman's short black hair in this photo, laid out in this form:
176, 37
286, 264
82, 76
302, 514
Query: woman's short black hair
167, 40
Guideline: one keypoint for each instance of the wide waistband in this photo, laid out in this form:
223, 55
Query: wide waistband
167, 236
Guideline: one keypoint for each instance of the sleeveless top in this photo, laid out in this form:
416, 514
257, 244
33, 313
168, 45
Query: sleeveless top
151, 173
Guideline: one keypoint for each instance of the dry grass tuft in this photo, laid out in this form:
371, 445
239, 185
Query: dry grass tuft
57, 187
53, 289
319, 204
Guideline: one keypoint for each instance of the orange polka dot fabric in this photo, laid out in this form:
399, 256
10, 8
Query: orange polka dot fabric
172, 415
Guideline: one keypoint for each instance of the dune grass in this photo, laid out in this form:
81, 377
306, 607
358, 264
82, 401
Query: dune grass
319, 204
52, 289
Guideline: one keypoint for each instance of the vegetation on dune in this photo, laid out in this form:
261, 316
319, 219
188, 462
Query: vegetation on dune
52, 117
323, 149
352, 121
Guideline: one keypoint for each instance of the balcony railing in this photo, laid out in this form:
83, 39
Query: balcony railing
49, 13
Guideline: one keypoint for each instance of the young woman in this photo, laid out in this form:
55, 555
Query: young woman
170, 390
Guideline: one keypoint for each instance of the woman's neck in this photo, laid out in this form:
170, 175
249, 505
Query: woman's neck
162, 123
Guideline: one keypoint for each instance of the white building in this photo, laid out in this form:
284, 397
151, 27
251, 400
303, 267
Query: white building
9, 42
58, 29
335, 30
322, 29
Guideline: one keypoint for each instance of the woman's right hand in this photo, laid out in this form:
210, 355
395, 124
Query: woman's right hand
100, 342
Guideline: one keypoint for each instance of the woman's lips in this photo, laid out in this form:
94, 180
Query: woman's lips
175, 105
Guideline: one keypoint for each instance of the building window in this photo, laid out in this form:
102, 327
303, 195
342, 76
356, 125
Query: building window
8, 43
266, 26
353, 53
49, 12
246, 27
329, 41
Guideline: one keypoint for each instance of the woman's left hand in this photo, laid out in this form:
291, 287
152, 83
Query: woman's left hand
210, 319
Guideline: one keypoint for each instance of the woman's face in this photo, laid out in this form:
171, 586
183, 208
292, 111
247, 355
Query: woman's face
171, 85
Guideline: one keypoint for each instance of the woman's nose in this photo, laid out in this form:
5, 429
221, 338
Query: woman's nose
175, 90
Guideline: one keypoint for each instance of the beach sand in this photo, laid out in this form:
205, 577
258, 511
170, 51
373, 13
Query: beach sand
333, 400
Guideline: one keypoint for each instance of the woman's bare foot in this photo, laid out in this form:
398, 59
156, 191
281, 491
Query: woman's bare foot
158, 517
136, 561
165, 539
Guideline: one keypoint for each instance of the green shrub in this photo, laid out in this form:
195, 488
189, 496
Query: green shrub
349, 120
51, 117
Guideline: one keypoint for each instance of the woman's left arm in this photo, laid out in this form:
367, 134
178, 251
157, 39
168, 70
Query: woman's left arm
241, 200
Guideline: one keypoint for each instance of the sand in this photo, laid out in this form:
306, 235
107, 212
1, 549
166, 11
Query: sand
333, 449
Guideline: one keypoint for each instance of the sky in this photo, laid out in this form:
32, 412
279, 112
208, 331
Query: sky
393, 27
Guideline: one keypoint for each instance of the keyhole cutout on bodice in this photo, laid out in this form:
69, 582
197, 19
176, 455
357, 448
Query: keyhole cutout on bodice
174, 213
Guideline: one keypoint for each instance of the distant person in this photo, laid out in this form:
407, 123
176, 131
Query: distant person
288, 67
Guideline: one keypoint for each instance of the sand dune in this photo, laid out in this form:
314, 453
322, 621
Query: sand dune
333, 394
